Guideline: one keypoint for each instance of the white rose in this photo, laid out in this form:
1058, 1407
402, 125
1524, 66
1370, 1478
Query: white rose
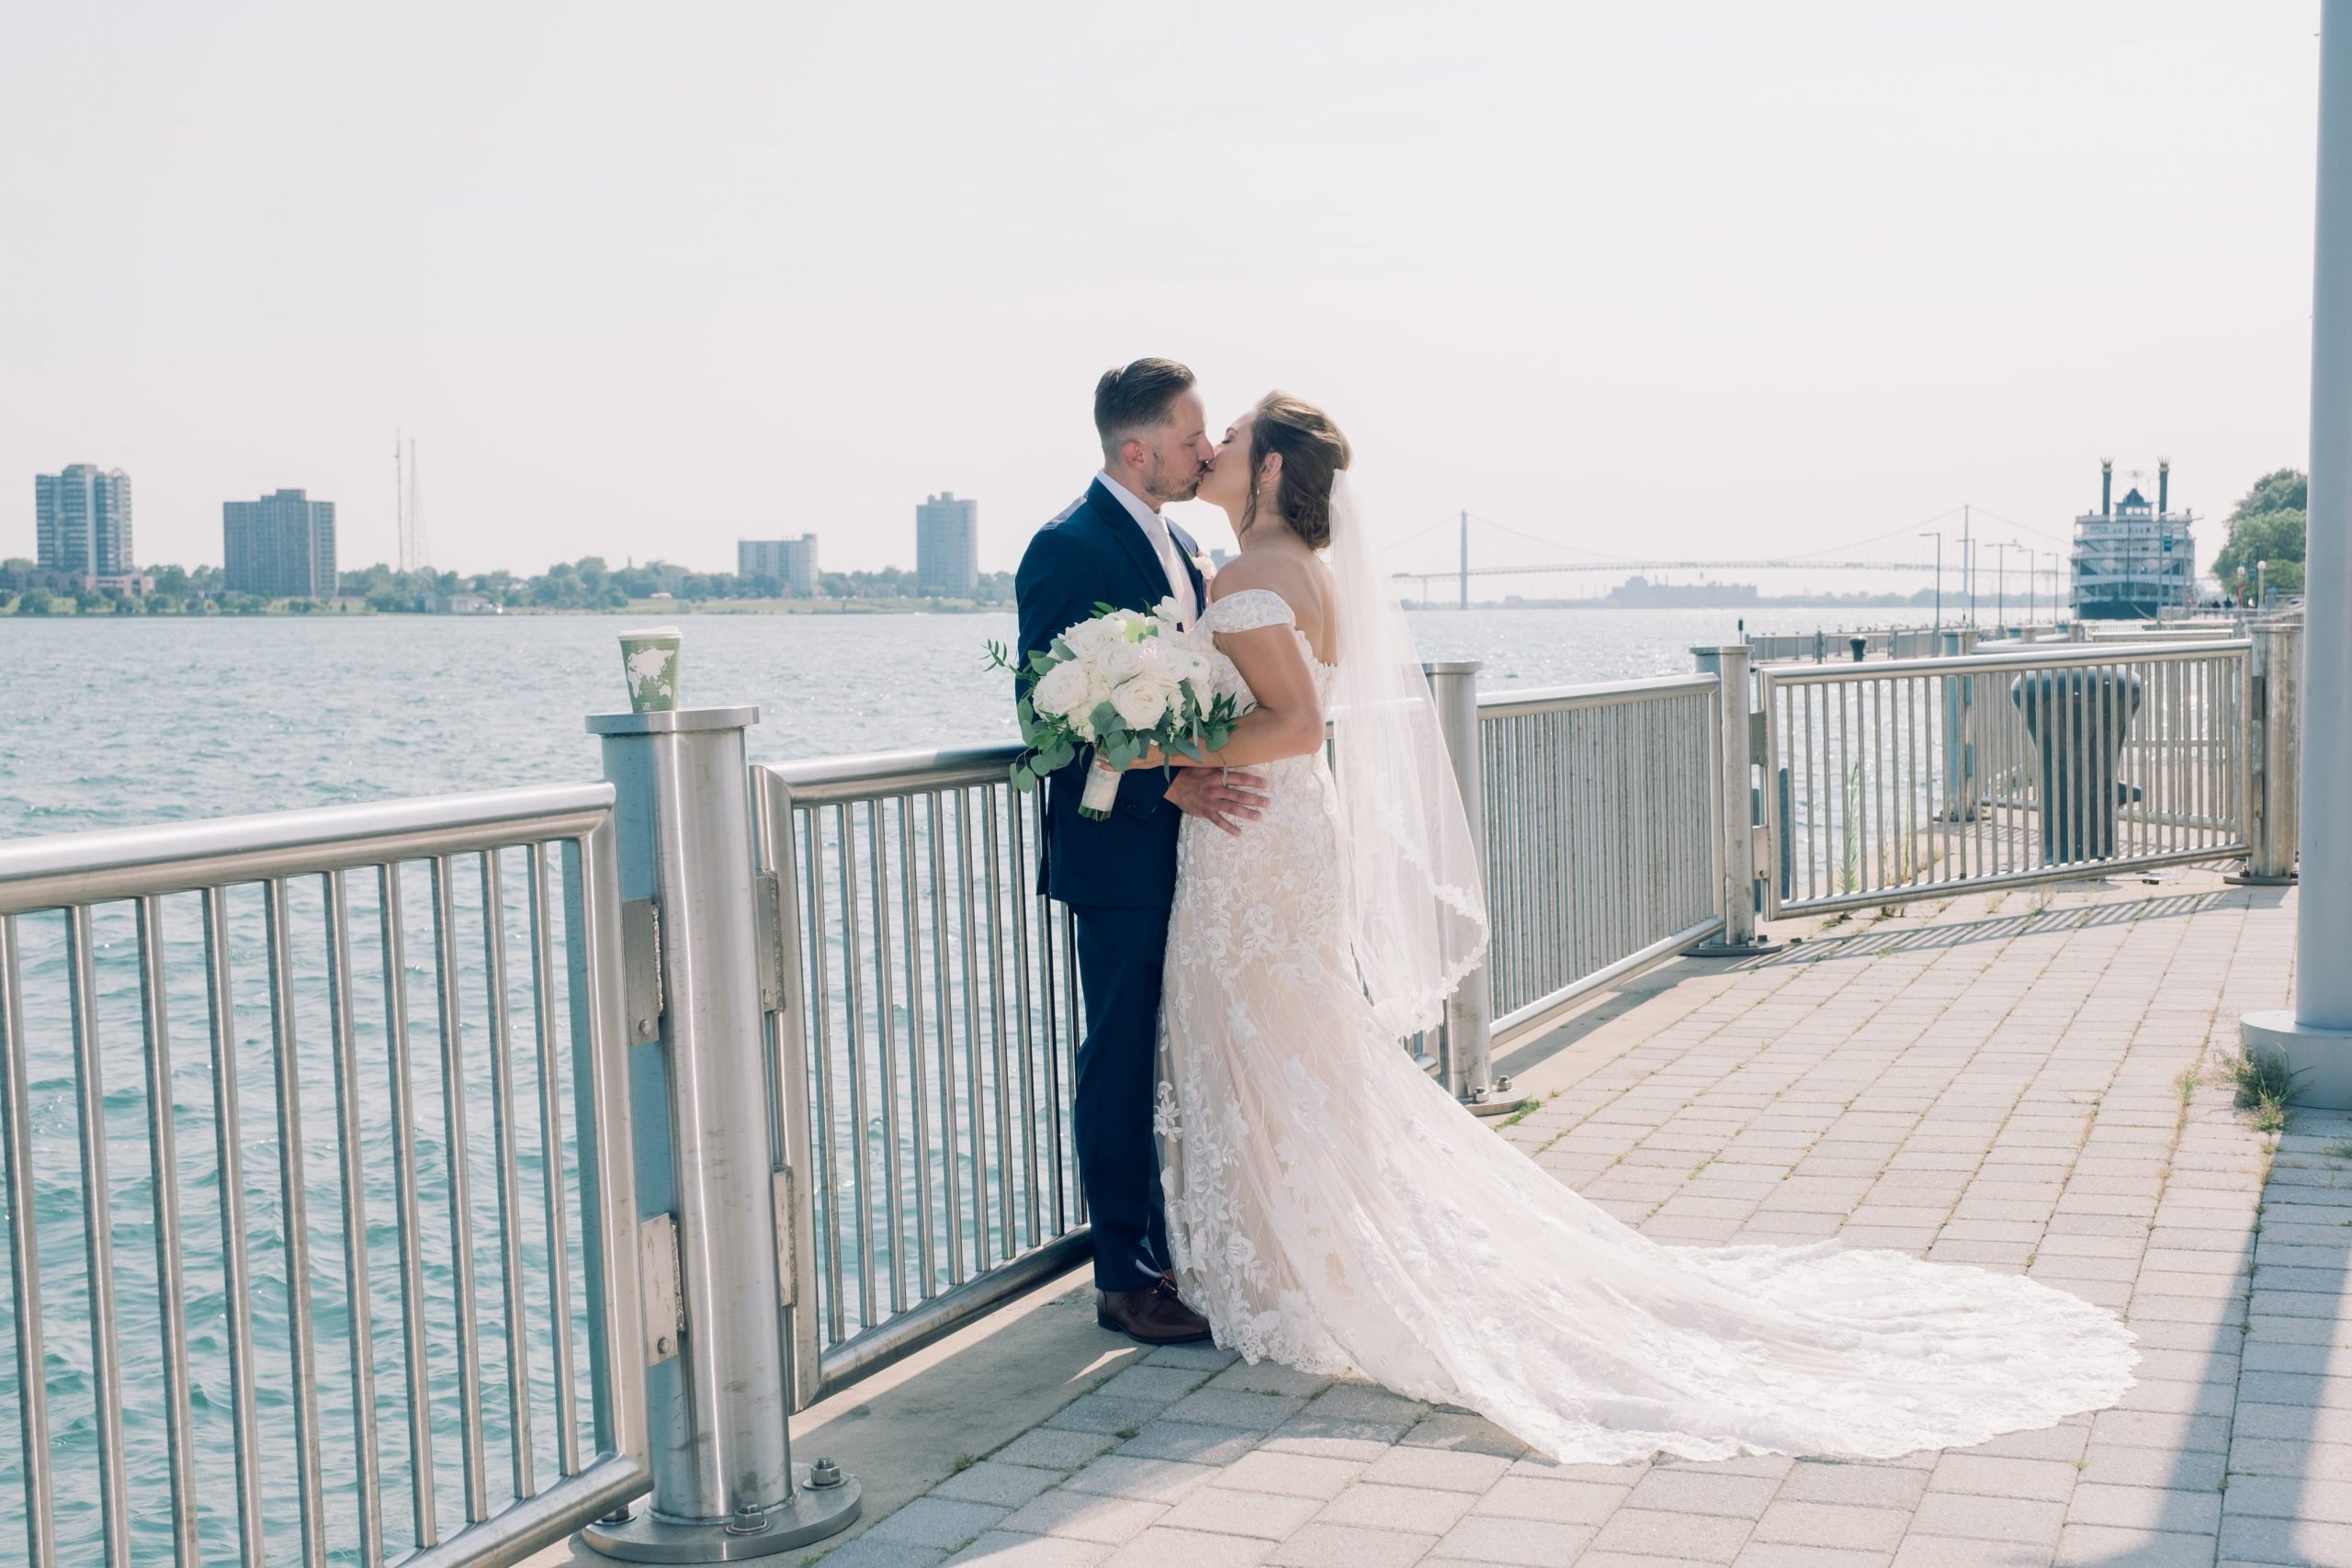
1143, 702
1119, 660
1061, 689
1168, 612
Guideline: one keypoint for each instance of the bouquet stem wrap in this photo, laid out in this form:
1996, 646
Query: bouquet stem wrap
1101, 791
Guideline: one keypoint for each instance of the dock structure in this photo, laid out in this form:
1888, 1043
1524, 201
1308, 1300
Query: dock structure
2037, 1082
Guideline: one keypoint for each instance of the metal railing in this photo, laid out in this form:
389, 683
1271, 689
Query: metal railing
928, 1020
1601, 813
1919, 777
928, 1010
825, 1013
423, 1402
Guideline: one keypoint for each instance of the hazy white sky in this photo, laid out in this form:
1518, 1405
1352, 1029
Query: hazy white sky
1701, 279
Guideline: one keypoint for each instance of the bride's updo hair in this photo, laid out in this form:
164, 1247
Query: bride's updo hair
1312, 450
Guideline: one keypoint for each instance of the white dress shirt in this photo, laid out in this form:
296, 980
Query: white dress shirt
1163, 545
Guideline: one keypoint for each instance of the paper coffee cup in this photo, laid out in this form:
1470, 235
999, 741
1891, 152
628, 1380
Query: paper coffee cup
649, 663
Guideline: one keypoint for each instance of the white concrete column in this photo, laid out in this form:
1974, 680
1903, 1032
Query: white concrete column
2317, 1034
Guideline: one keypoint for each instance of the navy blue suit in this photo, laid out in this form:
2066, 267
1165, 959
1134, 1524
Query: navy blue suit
1118, 876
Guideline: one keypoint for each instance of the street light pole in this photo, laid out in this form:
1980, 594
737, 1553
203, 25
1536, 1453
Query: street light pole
1968, 562
1939, 534
2316, 1035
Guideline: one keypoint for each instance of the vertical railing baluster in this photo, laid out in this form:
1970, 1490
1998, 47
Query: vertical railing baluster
860, 1159
1074, 1000
163, 1180
235, 1267
97, 1241
886, 1039
822, 1137
1016, 898
406, 1206
293, 1186
551, 1146
1037, 907
979, 1084
461, 1221
926, 1238
510, 1182
24, 1256
944, 1033
997, 1020
357, 1292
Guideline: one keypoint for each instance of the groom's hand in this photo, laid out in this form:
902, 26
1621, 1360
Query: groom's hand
1218, 795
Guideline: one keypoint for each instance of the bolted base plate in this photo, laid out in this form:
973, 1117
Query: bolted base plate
812, 1513
2247, 879
1506, 1105
2322, 1058
1714, 948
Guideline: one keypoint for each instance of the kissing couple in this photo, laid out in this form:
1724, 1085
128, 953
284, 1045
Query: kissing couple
1261, 927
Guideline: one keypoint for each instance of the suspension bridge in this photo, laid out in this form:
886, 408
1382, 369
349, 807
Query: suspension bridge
1836, 557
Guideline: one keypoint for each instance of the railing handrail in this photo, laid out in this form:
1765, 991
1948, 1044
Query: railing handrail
104, 863
2041, 656
1599, 693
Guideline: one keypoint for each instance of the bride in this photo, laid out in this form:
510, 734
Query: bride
1332, 1207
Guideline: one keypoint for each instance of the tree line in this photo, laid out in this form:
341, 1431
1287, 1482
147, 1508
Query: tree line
588, 584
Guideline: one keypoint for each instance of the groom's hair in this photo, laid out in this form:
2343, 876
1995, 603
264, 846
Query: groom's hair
1134, 399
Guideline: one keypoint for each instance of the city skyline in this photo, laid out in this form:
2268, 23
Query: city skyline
1577, 270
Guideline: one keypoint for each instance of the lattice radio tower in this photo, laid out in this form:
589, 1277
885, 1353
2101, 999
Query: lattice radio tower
408, 508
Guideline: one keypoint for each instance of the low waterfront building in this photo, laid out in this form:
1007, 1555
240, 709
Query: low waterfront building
82, 525
2133, 561
281, 547
792, 562
947, 545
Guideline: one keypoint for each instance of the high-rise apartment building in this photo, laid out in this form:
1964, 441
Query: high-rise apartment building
792, 562
281, 547
947, 545
82, 522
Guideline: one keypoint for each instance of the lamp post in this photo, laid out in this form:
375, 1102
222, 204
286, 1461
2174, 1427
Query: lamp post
2315, 1035
1938, 534
2001, 581
2261, 587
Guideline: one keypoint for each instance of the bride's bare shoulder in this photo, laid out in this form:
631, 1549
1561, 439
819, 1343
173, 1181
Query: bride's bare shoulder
1302, 581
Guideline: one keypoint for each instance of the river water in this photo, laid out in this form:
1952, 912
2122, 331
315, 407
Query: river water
115, 723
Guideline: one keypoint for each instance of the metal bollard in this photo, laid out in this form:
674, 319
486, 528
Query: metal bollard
2273, 829
1738, 809
716, 1331
1466, 1060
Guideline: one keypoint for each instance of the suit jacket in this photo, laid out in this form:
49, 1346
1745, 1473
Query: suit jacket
1095, 553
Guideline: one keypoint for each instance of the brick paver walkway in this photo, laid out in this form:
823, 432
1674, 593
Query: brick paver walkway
2030, 1083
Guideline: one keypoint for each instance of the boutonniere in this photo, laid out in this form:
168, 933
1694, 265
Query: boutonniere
1200, 564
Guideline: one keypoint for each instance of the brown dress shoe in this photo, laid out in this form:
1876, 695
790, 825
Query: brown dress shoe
1153, 1315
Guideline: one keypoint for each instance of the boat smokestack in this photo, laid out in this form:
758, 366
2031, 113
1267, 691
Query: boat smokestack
2107, 487
2164, 486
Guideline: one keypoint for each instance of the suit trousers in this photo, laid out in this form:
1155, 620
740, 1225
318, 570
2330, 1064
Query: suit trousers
1120, 957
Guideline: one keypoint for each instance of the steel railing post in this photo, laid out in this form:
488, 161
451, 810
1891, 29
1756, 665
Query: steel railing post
2274, 670
724, 1484
1740, 806
1466, 1060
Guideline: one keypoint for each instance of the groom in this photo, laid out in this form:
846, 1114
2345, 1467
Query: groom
1119, 875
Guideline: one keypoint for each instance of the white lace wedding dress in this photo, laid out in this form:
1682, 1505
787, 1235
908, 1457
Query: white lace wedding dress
1329, 1207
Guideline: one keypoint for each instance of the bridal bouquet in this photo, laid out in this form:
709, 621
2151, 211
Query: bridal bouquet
1120, 682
